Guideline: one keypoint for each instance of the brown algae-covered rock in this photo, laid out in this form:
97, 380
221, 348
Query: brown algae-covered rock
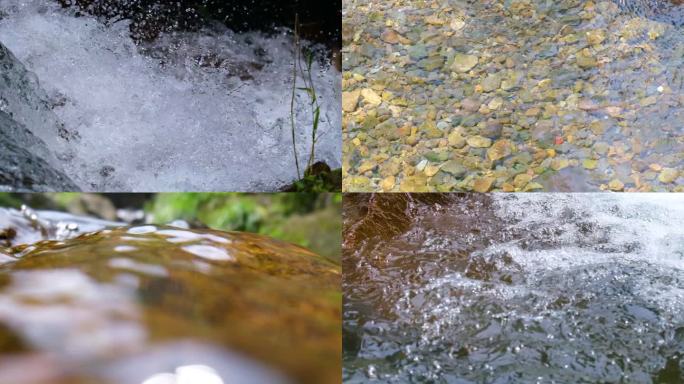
125, 304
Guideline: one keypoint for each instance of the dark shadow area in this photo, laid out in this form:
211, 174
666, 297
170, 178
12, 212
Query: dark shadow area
319, 21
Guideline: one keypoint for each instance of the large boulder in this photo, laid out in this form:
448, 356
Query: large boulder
23, 166
30, 133
23, 99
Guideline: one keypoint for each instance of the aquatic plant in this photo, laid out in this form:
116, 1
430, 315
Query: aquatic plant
313, 179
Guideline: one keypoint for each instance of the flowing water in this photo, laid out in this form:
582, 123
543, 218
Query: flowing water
205, 110
513, 95
88, 301
547, 288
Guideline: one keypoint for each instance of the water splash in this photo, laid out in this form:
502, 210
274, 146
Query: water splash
518, 288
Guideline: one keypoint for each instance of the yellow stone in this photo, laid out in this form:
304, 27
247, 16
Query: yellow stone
358, 183
533, 187
371, 97
589, 163
668, 175
499, 150
479, 142
431, 170
596, 37
483, 184
416, 183
366, 166
387, 184
350, 100
521, 180
616, 185
495, 103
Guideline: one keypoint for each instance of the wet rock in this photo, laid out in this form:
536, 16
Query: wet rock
23, 99
371, 97
350, 100
616, 185
454, 168
432, 63
586, 60
464, 63
158, 298
431, 130
387, 129
491, 83
21, 167
668, 175
479, 142
499, 150
390, 36
483, 184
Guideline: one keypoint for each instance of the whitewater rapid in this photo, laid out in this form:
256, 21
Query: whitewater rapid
516, 289
207, 110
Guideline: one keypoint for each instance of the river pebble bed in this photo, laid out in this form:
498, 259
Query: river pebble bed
513, 95
526, 288
204, 110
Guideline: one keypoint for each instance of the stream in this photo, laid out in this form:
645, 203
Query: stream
87, 301
513, 95
189, 110
525, 288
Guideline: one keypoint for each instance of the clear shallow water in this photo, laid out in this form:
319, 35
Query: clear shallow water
193, 111
512, 95
514, 289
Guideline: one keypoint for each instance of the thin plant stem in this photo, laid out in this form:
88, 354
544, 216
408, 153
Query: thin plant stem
294, 87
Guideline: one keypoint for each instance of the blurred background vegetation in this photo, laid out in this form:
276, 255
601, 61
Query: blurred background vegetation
313, 220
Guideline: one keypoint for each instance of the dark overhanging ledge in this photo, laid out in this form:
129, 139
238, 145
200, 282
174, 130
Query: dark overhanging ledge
320, 21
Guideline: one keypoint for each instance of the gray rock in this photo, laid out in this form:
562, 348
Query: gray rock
23, 170
23, 99
454, 168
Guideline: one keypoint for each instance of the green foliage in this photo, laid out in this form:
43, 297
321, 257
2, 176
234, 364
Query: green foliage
308, 219
9, 200
326, 182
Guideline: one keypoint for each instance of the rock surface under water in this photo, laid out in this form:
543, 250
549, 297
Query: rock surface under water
514, 288
126, 304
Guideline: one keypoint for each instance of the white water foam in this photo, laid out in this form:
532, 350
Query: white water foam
573, 286
182, 121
